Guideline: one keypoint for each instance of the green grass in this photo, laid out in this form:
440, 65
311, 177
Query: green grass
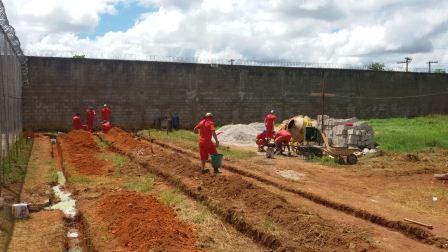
13, 165
141, 184
324, 160
117, 160
171, 198
411, 135
188, 140
83, 180
102, 144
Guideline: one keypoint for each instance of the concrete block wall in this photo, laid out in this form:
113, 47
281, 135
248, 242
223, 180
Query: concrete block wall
139, 92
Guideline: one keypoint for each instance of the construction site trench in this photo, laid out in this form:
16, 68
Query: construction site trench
134, 193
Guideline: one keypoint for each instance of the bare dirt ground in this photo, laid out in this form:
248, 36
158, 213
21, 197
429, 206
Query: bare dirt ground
129, 209
339, 184
135, 195
138, 222
266, 217
395, 186
43, 230
40, 173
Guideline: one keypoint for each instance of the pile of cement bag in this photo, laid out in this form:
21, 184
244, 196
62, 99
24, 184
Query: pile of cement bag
359, 135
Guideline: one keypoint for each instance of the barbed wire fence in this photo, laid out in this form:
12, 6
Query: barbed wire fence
214, 61
13, 75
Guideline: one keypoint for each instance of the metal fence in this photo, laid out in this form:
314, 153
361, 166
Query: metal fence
12, 68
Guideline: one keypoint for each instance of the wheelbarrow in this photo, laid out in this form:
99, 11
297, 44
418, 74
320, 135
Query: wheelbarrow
341, 154
316, 144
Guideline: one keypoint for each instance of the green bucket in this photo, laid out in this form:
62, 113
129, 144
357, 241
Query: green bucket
217, 160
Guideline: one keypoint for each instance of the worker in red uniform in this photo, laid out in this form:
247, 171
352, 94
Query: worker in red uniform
105, 113
106, 126
206, 130
262, 140
77, 121
269, 122
90, 118
282, 139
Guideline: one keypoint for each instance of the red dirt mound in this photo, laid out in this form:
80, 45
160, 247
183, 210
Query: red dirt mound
80, 149
122, 138
140, 222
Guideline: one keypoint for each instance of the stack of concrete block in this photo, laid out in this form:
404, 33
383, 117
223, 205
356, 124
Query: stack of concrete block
360, 135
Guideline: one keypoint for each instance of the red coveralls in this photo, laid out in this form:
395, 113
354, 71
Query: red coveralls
269, 121
105, 114
261, 138
90, 118
206, 128
283, 136
106, 126
76, 122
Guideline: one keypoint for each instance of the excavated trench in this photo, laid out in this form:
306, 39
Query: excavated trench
411, 231
77, 238
241, 203
119, 219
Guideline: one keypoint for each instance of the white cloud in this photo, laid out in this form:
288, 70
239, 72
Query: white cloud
338, 31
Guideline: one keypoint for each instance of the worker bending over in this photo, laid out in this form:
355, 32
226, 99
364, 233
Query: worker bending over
105, 113
77, 121
206, 130
269, 122
90, 116
282, 140
262, 140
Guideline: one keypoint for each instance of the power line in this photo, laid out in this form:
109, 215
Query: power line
406, 61
429, 64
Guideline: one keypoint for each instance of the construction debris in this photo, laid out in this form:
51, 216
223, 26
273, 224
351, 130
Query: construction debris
349, 132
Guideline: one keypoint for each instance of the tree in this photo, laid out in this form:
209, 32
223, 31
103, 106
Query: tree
440, 70
376, 66
79, 56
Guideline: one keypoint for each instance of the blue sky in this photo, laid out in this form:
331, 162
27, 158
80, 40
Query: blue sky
125, 17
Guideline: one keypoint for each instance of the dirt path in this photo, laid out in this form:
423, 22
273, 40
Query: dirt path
393, 188
44, 230
399, 242
264, 216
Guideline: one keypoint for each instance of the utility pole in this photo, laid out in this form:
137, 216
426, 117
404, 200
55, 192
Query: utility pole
429, 64
231, 61
406, 61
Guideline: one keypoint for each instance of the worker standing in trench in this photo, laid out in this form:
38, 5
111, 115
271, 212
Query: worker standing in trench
90, 118
206, 130
269, 122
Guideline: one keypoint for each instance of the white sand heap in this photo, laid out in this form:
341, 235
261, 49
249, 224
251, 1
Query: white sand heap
240, 134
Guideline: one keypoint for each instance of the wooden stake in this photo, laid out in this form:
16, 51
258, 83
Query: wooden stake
419, 223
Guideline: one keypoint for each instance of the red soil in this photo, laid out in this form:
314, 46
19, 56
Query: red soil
81, 150
301, 229
122, 139
140, 222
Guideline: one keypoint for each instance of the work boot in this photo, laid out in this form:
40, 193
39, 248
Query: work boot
204, 171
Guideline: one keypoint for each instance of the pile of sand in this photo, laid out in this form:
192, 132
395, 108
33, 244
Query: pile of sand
240, 134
